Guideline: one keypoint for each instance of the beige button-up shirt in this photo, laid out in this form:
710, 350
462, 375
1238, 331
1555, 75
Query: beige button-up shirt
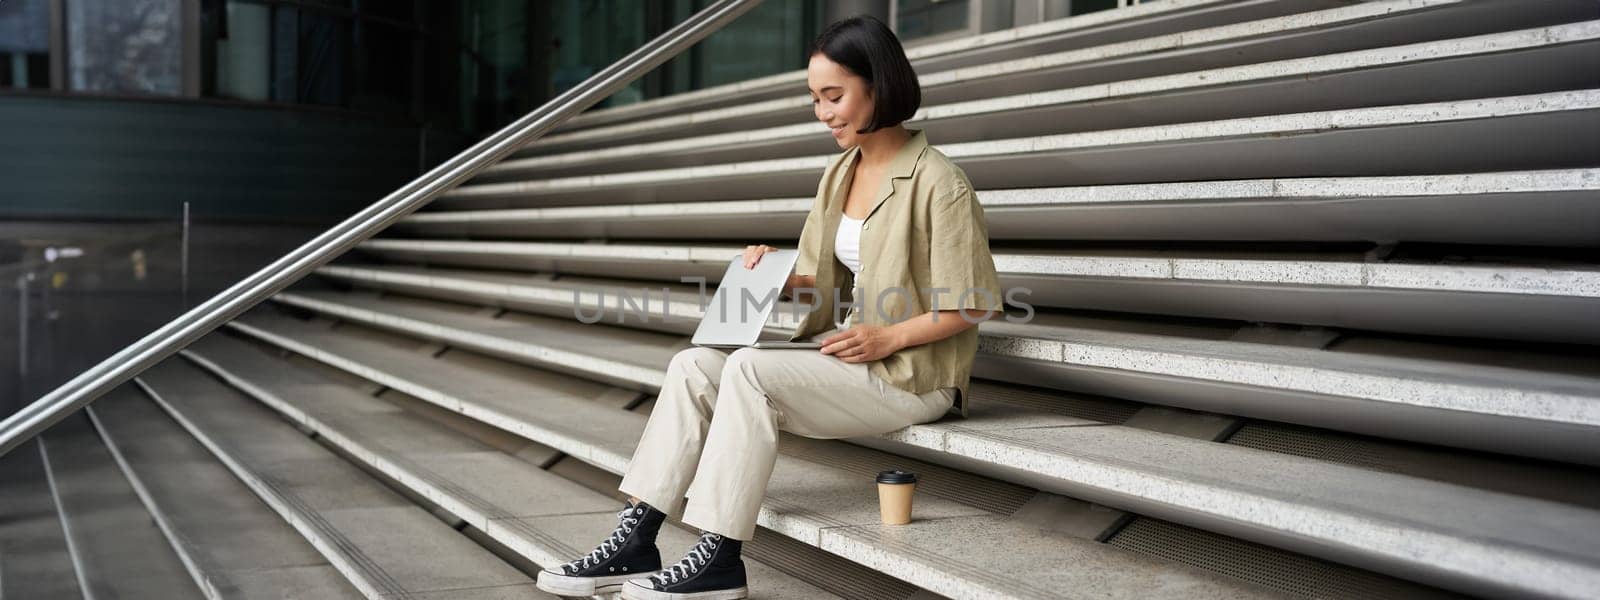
924, 247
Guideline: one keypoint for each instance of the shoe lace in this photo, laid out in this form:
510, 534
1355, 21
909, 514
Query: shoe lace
696, 559
627, 518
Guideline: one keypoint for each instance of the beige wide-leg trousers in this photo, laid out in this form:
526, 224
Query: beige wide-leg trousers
713, 433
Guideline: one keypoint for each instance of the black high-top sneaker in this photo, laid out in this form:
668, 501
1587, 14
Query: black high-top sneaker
630, 551
711, 571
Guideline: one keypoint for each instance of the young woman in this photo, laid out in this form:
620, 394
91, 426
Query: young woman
899, 221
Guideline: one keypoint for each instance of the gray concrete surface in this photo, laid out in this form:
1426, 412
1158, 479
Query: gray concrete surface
1424, 138
34, 560
381, 542
502, 496
808, 500
1048, 36
1497, 297
1380, 521
1433, 400
1550, 208
1495, 64
233, 544
116, 548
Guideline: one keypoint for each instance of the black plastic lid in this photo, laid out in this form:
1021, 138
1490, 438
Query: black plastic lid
897, 476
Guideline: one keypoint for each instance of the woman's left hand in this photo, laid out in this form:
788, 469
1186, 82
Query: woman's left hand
861, 343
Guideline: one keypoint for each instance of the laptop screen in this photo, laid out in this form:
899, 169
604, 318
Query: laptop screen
744, 299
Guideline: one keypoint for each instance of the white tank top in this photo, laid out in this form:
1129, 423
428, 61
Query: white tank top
847, 243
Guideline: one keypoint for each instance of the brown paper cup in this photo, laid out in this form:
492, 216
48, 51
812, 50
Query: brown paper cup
894, 502
895, 489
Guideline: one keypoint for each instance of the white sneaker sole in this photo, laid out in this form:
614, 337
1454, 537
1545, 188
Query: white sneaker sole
567, 585
637, 591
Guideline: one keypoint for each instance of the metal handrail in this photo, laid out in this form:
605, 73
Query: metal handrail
261, 285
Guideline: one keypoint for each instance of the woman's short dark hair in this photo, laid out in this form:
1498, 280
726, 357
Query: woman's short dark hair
868, 48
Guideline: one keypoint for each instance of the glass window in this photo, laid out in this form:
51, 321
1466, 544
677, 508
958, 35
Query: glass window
312, 52
474, 65
384, 58
495, 80
1060, 9
394, 11
323, 60
25, 70
589, 35
285, 54
768, 39
922, 18
125, 46
244, 67
25, 44
1088, 6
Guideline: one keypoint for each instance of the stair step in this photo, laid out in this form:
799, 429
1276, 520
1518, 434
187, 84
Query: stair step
1498, 64
1372, 519
1302, 34
1527, 208
1434, 401
1130, 23
233, 545
1395, 523
116, 548
562, 421
1565, 483
381, 542
34, 559
1427, 138
1450, 295
818, 503
513, 502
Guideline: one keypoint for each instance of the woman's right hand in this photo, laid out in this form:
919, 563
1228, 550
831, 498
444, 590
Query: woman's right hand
753, 254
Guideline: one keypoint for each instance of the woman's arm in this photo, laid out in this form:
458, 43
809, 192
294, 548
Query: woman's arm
753, 254
867, 343
923, 328
796, 282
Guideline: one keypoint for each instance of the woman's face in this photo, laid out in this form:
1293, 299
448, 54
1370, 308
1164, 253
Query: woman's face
839, 99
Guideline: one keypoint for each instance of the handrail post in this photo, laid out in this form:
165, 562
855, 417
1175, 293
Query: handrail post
261, 285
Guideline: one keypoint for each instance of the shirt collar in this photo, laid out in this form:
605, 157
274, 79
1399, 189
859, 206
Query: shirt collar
905, 159
902, 166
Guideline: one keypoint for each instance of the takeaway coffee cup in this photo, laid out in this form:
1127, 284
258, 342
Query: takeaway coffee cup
894, 496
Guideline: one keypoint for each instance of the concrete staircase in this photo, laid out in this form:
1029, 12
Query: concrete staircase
1313, 314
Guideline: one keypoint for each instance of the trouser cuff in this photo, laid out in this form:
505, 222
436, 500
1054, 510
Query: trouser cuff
697, 514
655, 496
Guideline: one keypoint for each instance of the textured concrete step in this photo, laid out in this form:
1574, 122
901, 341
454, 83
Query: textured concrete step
816, 503
1499, 297
539, 515
1547, 414
1339, 29
680, 305
1487, 134
1388, 523
678, 309
233, 544
1510, 63
34, 560
1131, 23
1526, 208
386, 546
116, 548
1380, 521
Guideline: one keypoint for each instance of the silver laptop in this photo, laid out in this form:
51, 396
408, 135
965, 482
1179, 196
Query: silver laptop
731, 321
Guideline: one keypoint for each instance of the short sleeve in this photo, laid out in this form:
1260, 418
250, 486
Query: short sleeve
959, 259
810, 241
810, 244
